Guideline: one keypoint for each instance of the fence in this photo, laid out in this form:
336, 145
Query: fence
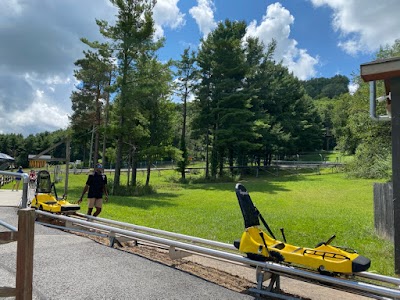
25, 179
25, 238
383, 210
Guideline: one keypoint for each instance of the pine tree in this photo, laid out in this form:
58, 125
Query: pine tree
87, 100
186, 75
131, 36
223, 100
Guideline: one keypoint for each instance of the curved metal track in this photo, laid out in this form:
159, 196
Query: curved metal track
182, 245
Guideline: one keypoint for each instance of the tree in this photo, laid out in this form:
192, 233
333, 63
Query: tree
223, 101
358, 134
131, 36
322, 87
325, 108
155, 91
87, 102
186, 72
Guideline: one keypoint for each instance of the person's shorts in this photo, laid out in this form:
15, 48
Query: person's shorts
95, 202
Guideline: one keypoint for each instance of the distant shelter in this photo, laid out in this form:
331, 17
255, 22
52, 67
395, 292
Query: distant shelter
38, 162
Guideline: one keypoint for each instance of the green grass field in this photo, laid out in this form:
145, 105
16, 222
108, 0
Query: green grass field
310, 207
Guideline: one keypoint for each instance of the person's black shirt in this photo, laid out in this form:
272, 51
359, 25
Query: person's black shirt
96, 183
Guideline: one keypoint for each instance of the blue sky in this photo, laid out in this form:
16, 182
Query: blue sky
40, 43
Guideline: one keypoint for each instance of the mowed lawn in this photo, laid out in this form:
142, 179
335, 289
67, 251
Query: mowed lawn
309, 207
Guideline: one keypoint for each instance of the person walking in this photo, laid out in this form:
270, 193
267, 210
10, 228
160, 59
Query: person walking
96, 184
32, 179
17, 179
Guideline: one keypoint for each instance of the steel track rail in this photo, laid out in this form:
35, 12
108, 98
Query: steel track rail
366, 275
356, 287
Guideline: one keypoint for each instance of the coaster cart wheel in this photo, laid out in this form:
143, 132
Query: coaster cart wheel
323, 271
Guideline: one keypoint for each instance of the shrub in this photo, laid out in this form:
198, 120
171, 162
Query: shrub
137, 190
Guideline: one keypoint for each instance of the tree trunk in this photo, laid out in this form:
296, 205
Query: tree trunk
207, 155
183, 138
98, 121
148, 173
230, 155
118, 159
120, 143
134, 170
104, 158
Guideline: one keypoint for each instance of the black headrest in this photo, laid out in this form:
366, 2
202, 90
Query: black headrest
249, 211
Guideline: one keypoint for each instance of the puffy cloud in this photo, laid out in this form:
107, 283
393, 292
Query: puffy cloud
167, 14
39, 48
363, 25
203, 14
276, 25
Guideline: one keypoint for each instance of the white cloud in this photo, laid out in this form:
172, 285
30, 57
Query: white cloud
276, 24
203, 14
41, 115
364, 25
11, 7
353, 87
167, 14
37, 60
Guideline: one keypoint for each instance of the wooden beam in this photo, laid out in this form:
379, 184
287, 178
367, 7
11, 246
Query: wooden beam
8, 237
395, 86
47, 150
6, 291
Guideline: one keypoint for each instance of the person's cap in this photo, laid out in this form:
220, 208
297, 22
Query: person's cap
99, 166
20, 167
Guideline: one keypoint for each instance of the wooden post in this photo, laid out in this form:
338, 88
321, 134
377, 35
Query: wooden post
395, 89
389, 71
26, 230
67, 159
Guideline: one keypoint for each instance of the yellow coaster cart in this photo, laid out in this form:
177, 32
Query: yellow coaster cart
258, 245
46, 196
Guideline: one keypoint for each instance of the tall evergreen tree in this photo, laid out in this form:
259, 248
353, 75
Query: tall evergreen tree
186, 72
223, 100
155, 87
131, 35
87, 101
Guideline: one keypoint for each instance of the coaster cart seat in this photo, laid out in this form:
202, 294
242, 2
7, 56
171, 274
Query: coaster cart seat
259, 245
46, 196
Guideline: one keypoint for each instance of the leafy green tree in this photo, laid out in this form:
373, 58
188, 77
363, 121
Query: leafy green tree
325, 108
322, 87
157, 109
358, 134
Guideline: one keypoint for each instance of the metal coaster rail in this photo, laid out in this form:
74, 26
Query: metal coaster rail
183, 245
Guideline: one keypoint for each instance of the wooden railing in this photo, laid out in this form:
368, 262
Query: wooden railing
25, 239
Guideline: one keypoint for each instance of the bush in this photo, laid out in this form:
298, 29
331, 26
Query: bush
137, 190
370, 163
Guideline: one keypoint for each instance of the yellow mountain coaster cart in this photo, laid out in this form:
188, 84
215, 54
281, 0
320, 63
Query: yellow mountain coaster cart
46, 198
260, 246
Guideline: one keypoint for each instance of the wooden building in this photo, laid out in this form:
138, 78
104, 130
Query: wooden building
38, 163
